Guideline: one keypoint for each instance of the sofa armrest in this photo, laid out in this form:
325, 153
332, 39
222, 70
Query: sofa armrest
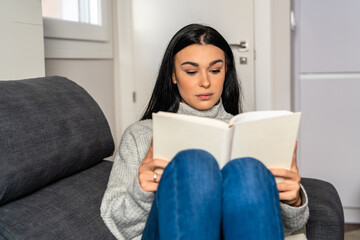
326, 219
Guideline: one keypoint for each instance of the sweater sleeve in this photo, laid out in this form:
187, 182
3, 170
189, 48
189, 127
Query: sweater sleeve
125, 206
295, 218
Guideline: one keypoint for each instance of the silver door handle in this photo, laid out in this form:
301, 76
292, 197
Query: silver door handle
243, 46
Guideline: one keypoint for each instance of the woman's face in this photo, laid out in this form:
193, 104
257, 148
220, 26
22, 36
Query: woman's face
199, 75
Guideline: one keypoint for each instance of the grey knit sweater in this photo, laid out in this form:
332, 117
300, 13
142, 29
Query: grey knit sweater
125, 206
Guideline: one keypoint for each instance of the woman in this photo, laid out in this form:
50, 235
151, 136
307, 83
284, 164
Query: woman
195, 199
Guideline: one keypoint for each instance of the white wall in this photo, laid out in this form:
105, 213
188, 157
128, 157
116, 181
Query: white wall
327, 80
21, 41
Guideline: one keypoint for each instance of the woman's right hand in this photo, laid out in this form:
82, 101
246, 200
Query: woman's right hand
146, 171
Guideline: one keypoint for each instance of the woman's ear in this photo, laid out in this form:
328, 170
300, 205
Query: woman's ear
174, 78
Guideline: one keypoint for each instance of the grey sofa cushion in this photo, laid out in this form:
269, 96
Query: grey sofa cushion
67, 209
326, 220
50, 128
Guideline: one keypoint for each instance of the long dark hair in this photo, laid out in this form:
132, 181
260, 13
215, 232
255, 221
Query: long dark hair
166, 97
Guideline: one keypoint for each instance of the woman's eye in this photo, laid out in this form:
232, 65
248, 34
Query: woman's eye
191, 72
215, 71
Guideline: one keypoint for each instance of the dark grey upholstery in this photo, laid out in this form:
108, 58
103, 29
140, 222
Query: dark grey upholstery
326, 221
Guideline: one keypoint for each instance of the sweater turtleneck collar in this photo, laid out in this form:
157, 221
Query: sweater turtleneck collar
216, 111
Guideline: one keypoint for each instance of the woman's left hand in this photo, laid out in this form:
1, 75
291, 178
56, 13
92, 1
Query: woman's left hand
289, 189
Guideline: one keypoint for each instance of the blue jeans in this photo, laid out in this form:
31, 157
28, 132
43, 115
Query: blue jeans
197, 200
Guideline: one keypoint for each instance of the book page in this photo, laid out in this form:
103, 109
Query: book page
188, 118
270, 140
173, 134
257, 115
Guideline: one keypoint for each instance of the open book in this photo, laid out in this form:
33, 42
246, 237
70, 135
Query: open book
268, 136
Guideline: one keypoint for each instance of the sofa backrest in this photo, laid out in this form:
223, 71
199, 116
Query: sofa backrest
50, 128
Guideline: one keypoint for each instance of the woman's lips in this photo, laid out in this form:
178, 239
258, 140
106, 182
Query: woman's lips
205, 96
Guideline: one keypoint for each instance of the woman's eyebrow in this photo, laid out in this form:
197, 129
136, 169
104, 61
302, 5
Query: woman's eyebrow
197, 65
191, 63
215, 62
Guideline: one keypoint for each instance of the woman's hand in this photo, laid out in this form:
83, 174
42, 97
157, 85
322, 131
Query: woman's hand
289, 189
148, 181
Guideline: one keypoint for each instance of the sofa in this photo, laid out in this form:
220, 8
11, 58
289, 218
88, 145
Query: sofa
53, 142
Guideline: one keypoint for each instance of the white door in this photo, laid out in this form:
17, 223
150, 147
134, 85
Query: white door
154, 22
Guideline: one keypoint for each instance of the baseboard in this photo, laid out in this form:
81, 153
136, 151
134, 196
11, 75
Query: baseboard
352, 215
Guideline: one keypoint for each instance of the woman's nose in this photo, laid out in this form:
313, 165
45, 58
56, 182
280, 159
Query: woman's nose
205, 81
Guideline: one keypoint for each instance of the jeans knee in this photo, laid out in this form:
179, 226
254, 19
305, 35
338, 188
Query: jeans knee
189, 196
193, 164
248, 168
194, 159
246, 163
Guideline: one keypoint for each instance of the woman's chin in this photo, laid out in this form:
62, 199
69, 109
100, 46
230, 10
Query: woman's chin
201, 105
204, 105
